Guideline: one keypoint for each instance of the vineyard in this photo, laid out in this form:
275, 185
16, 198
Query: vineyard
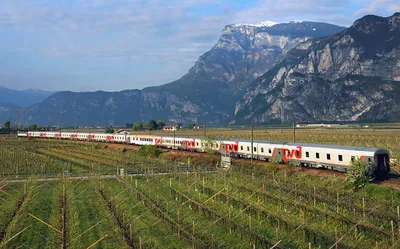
67, 194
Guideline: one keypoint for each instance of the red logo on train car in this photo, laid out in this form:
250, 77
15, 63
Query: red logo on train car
91, 136
231, 147
43, 134
295, 153
158, 141
190, 143
29, 134
111, 138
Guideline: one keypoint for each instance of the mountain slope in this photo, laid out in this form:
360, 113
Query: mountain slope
206, 94
7, 112
353, 75
108, 108
23, 98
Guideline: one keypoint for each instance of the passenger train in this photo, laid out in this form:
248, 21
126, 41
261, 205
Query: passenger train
332, 157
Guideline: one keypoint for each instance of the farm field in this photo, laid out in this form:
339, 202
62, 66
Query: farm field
67, 194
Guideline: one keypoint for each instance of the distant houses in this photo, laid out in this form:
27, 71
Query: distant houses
320, 125
171, 128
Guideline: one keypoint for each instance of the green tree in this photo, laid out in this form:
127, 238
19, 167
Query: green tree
152, 124
358, 174
137, 126
161, 124
32, 127
190, 126
209, 144
7, 124
149, 151
109, 130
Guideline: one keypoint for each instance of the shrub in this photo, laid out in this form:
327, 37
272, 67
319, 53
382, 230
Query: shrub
149, 151
358, 174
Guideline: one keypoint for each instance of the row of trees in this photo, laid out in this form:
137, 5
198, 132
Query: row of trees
152, 125
156, 125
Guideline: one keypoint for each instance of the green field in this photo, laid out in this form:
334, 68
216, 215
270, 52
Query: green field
66, 194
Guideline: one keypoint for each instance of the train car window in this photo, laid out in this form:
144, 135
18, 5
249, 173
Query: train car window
241, 147
307, 154
297, 153
369, 160
255, 148
317, 155
262, 150
340, 158
353, 158
197, 143
248, 148
269, 151
328, 156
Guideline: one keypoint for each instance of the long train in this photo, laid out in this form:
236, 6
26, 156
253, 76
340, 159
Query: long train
331, 157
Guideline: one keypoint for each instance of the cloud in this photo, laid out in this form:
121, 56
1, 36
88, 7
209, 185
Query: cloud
379, 7
162, 38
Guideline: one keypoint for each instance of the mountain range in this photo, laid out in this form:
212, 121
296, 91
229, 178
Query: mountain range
260, 73
13, 100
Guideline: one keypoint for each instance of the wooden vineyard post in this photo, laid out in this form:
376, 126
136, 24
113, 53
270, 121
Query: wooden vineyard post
130, 231
376, 245
398, 222
363, 200
250, 222
336, 239
392, 224
47, 224
193, 228
212, 241
337, 202
315, 201
325, 214
179, 223
95, 243
140, 242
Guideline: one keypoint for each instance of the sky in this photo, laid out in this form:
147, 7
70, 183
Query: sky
113, 45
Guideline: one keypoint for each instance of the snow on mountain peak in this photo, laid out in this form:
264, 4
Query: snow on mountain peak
259, 24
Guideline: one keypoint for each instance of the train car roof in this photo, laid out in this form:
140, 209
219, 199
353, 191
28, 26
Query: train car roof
254, 141
337, 147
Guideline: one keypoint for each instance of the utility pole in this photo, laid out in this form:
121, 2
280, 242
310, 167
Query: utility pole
174, 139
205, 130
294, 132
252, 143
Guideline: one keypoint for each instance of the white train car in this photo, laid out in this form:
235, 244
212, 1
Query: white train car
333, 157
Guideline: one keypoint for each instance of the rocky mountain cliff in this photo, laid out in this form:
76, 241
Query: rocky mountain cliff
353, 75
206, 94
